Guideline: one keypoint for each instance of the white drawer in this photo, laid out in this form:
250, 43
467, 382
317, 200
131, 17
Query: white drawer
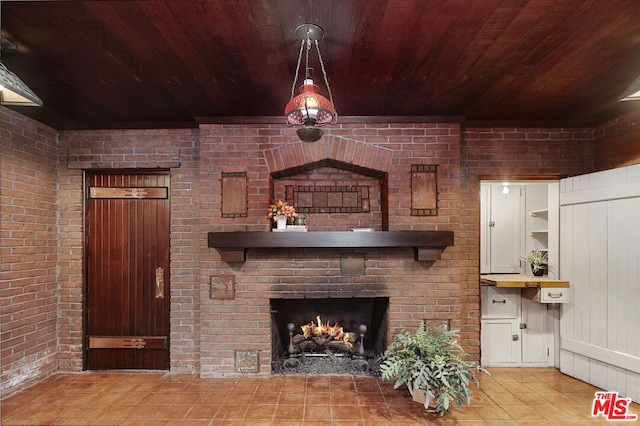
547, 294
552, 295
499, 302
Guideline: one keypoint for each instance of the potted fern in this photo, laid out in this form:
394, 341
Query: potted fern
431, 360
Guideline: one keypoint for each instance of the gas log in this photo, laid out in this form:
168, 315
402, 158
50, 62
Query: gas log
318, 337
320, 343
323, 340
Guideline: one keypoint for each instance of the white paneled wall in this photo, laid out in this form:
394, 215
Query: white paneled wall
599, 255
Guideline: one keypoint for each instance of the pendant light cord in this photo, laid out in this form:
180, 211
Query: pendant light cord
324, 74
295, 79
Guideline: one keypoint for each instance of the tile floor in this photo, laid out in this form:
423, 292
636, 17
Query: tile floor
509, 396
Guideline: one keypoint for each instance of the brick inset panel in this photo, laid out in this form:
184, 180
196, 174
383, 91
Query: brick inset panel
296, 154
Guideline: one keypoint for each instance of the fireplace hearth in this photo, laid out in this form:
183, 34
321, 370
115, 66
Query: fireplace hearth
327, 365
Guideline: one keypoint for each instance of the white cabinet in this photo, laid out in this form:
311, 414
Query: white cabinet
500, 333
500, 342
515, 331
537, 334
514, 224
501, 228
511, 225
536, 221
537, 217
540, 228
542, 222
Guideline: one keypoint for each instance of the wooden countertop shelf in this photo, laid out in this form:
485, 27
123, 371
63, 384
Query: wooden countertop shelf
428, 245
521, 281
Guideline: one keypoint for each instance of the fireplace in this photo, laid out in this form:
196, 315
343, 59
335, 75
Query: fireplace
362, 322
405, 271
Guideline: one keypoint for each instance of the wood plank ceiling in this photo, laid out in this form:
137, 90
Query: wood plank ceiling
106, 64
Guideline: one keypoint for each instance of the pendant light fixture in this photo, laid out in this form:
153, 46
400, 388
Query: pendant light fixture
309, 109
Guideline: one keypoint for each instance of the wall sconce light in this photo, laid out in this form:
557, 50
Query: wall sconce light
14, 91
309, 108
631, 93
505, 188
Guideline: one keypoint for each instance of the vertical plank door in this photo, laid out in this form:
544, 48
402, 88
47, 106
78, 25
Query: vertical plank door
600, 256
127, 271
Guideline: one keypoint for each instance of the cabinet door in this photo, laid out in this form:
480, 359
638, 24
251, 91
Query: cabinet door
537, 336
500, 342
485, 240
506, 228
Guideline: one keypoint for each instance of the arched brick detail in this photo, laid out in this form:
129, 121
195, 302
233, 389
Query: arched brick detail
348, 151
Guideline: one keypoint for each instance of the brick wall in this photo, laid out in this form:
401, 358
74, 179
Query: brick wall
617, 142
204, 330
508, 153
28, 247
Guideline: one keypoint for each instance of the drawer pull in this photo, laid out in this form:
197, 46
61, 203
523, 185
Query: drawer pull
499, 301
554, 295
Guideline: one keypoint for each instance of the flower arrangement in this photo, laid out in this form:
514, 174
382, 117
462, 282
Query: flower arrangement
281, 208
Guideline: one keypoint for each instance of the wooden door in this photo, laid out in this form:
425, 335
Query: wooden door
600, 257
127, 275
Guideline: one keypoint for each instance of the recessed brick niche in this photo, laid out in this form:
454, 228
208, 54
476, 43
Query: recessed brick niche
333, 195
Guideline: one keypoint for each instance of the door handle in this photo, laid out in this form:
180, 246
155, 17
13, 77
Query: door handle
159, 283
499, 301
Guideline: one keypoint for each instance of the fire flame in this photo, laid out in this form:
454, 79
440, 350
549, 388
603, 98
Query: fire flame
326, 330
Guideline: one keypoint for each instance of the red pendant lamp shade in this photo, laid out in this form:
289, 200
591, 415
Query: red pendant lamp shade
309, 108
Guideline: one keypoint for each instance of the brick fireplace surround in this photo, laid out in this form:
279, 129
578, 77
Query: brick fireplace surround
416, 290
42, 185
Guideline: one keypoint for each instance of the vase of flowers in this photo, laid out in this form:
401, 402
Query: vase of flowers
280, 212
281, 222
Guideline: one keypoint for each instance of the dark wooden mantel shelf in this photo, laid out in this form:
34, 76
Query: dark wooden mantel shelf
428, 245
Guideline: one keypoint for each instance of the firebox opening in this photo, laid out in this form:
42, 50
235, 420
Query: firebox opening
348, 313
